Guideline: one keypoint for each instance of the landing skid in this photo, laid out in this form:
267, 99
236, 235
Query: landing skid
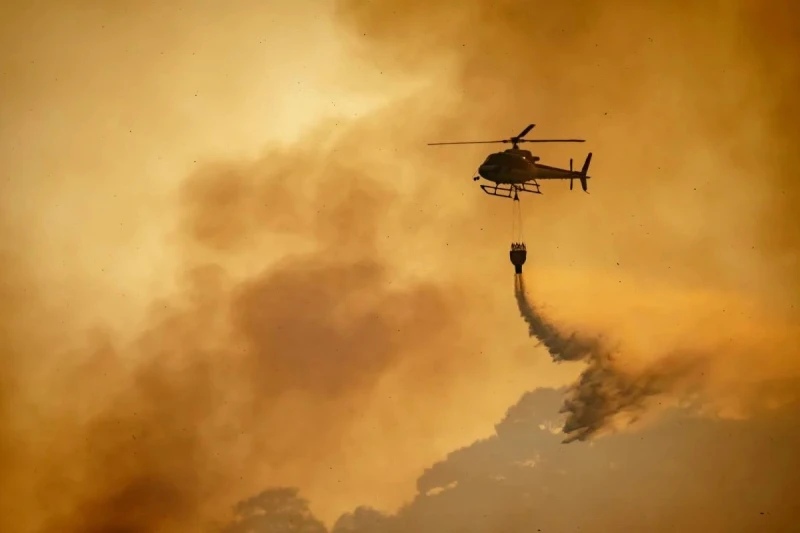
511, 190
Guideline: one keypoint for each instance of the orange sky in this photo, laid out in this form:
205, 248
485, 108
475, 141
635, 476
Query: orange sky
230, 261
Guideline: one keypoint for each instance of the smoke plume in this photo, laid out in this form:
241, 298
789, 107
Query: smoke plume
604, 389
254, 365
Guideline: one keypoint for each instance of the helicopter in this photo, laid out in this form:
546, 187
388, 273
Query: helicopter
516, 170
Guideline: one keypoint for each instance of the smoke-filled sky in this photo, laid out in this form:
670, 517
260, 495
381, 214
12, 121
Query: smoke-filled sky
229, 261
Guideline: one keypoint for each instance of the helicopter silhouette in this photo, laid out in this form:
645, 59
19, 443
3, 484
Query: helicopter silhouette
516, 170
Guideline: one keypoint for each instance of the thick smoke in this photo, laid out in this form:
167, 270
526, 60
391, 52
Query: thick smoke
604, 389
292, 351
686, 473
239, 378
520, 479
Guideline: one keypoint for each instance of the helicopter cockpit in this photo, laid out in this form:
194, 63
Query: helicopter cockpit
526, 154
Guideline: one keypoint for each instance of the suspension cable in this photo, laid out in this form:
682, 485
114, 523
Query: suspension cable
513, 221
516, 221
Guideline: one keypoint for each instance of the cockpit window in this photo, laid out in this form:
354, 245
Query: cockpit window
494, 159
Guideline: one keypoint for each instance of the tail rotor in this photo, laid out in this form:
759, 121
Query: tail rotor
582, 175
570, 169
584, 172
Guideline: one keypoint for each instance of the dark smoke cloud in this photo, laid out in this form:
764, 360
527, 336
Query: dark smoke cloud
255, 375
520, 479
604, 389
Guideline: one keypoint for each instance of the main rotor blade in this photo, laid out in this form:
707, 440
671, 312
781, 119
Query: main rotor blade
552, 140
524, 132
470, 142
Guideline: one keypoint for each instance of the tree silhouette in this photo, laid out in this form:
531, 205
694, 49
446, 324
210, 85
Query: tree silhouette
279, 510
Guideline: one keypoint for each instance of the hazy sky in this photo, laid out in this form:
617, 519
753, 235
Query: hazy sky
229, 261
